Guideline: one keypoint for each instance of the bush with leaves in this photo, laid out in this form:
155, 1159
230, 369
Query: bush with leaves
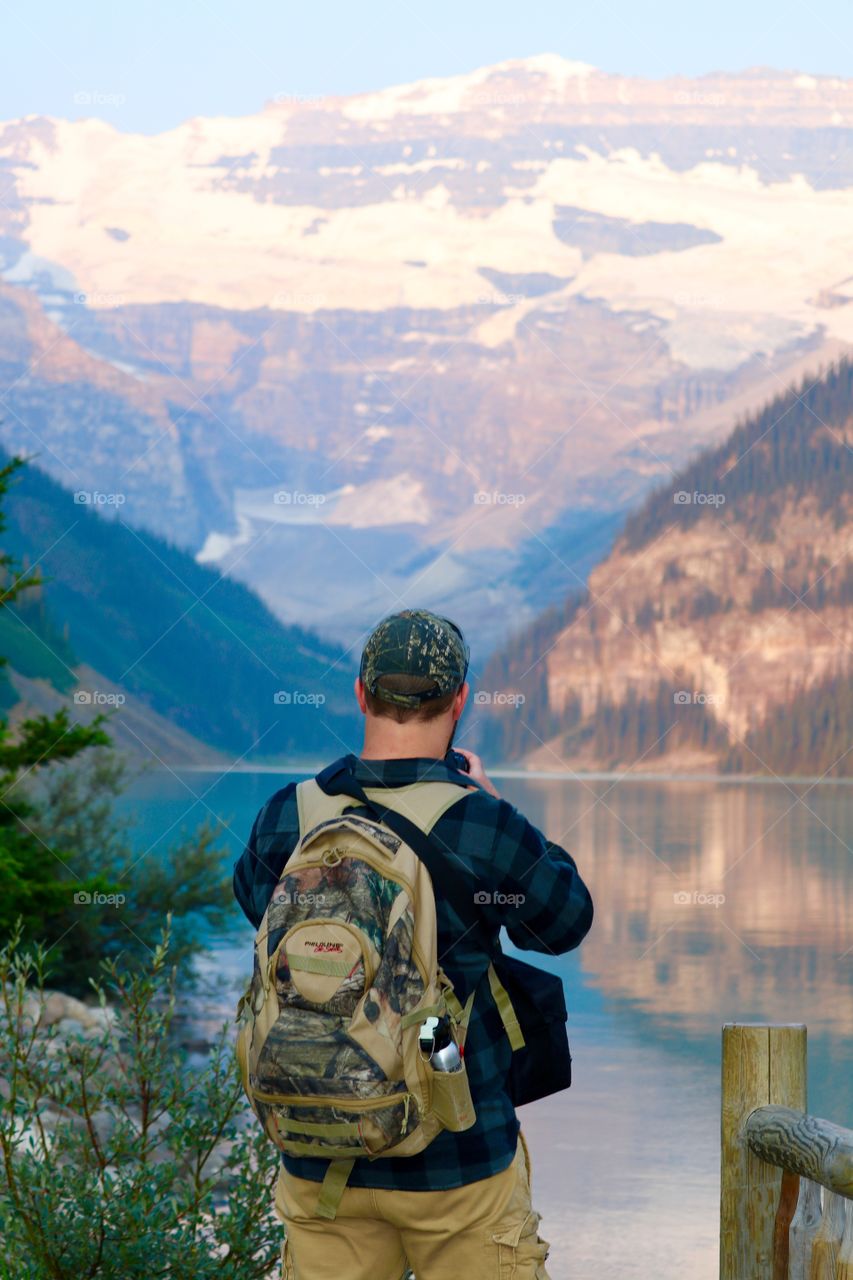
120, 1159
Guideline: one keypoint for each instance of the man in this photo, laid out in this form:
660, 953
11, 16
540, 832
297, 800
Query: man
461, 1207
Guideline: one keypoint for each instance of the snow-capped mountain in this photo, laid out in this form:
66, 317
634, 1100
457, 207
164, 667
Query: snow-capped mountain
393, 341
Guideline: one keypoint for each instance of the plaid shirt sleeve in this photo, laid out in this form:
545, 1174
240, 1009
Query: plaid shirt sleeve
524, 882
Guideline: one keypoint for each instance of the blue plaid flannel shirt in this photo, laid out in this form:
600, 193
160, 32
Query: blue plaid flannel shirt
535, 892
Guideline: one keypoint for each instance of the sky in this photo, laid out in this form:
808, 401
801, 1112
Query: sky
148, 66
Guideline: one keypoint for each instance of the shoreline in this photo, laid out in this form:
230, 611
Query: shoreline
579, 775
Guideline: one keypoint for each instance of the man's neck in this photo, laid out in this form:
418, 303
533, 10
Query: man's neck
405, 746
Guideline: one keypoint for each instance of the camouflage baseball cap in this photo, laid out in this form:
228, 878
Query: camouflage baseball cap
419, 644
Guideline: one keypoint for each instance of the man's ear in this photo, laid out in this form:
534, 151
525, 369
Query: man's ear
460, 700
359, 695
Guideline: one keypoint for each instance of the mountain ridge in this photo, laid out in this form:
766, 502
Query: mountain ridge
718, 631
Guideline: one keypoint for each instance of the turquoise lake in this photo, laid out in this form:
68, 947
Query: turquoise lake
715, 902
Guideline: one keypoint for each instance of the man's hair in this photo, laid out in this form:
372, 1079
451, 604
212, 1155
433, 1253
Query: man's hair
429, 709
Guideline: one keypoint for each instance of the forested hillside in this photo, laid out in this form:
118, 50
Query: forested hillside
719, 631
198, 648
796, 447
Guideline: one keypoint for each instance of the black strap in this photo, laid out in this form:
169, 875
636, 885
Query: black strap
339, 780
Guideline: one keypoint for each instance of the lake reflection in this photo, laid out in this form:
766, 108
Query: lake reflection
714, 903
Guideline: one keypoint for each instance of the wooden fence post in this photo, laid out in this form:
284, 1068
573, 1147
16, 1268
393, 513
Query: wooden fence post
804, 1228
761, 1066
845, 1257
827, 1242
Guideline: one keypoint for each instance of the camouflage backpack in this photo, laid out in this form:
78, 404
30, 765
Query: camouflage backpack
345, 972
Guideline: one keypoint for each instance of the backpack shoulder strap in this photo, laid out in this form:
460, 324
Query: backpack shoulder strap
315, 806
423, 803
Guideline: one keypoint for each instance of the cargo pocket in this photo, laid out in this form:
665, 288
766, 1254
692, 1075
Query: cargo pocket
521, 1250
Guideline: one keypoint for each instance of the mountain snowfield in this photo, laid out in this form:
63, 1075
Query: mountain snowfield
186, 234
536, 279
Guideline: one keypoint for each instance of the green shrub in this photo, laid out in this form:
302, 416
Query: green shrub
72, 814
118, 1158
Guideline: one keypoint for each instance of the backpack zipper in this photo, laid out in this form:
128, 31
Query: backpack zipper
345, 1104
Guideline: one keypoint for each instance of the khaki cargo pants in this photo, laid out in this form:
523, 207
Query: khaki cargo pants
487, 1230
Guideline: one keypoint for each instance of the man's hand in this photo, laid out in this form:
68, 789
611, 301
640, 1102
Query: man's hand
477, 772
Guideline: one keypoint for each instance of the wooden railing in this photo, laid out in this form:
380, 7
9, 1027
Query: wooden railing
786, 1193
